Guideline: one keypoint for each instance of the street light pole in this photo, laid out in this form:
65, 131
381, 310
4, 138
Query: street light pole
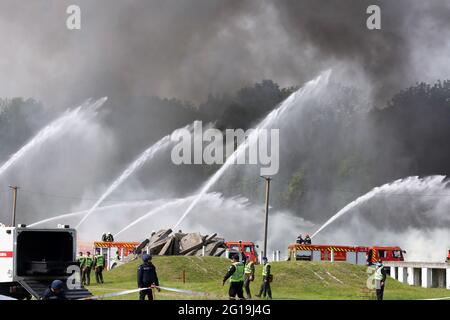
266, 220
14, 189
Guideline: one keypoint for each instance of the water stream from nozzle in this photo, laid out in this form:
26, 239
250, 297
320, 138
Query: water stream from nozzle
414, 186
148, 154
267, 122
58, 126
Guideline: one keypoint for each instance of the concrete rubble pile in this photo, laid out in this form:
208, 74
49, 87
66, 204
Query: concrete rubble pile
166, 243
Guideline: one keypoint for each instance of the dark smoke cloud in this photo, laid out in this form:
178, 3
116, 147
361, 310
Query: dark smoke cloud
182, 49
337, 30
187, 49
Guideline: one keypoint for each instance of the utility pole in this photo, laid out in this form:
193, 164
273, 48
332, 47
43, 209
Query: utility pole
14, 189
266, 221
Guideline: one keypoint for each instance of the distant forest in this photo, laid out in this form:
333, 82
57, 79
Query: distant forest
408, 136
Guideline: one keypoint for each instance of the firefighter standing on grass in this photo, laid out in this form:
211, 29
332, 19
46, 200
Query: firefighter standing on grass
147, 278
249, 276
86, 270
380, 279
267, 279
236, 275
80, 258
99, 265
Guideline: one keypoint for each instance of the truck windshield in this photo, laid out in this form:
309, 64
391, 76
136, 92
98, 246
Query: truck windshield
397, 254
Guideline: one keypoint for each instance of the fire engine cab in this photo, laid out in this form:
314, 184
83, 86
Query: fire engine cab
244, 247
351, 254
30, 259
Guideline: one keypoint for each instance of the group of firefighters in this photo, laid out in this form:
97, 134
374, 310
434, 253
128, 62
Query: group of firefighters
300, 239
240, 274
87, 263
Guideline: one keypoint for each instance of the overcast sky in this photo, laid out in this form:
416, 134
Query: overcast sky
187, 49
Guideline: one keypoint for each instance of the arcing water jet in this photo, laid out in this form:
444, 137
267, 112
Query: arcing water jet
64, 122
268, 121
148, 154
134, 204
414, 186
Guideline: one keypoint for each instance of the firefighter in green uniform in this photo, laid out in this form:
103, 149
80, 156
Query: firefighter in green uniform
267, 279
81, 259
236, 275
86, 270
380, 279
99, 265
249, 276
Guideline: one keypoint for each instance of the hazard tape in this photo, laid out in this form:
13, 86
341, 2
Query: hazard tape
121, 293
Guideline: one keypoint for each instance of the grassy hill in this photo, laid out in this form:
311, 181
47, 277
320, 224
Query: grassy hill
292, 280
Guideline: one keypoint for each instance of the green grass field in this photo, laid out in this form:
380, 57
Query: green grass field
292, 280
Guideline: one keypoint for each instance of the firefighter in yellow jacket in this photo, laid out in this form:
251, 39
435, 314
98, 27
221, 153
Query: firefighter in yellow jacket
99, 265
86, 270
249, 276
380, 279
236, 275
267, 279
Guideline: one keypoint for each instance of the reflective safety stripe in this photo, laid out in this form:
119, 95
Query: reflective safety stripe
88, 261
100, 259
249, 267
238, 275
379, 274
374, 256
264, 271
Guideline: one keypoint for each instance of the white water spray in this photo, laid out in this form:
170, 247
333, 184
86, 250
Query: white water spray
286, 105
411, 186
64, 122
151, 213
148, 154
132, 204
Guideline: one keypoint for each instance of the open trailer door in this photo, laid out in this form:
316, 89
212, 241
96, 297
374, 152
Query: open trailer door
44, 255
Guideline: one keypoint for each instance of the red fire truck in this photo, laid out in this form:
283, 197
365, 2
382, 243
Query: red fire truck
245, 247
115, 252
351, 254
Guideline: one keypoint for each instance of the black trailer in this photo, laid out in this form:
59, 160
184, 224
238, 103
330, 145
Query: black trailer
32, 258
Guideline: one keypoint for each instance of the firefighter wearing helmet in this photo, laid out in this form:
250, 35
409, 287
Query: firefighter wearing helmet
147, 278
55, 291
236, 275
307, 239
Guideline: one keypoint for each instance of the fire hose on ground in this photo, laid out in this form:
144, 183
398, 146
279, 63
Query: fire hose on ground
124, 292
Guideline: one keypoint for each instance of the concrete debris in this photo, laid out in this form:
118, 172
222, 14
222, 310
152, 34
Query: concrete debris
166, 243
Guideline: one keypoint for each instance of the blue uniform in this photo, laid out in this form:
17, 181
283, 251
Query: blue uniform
49, 294
146, 276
